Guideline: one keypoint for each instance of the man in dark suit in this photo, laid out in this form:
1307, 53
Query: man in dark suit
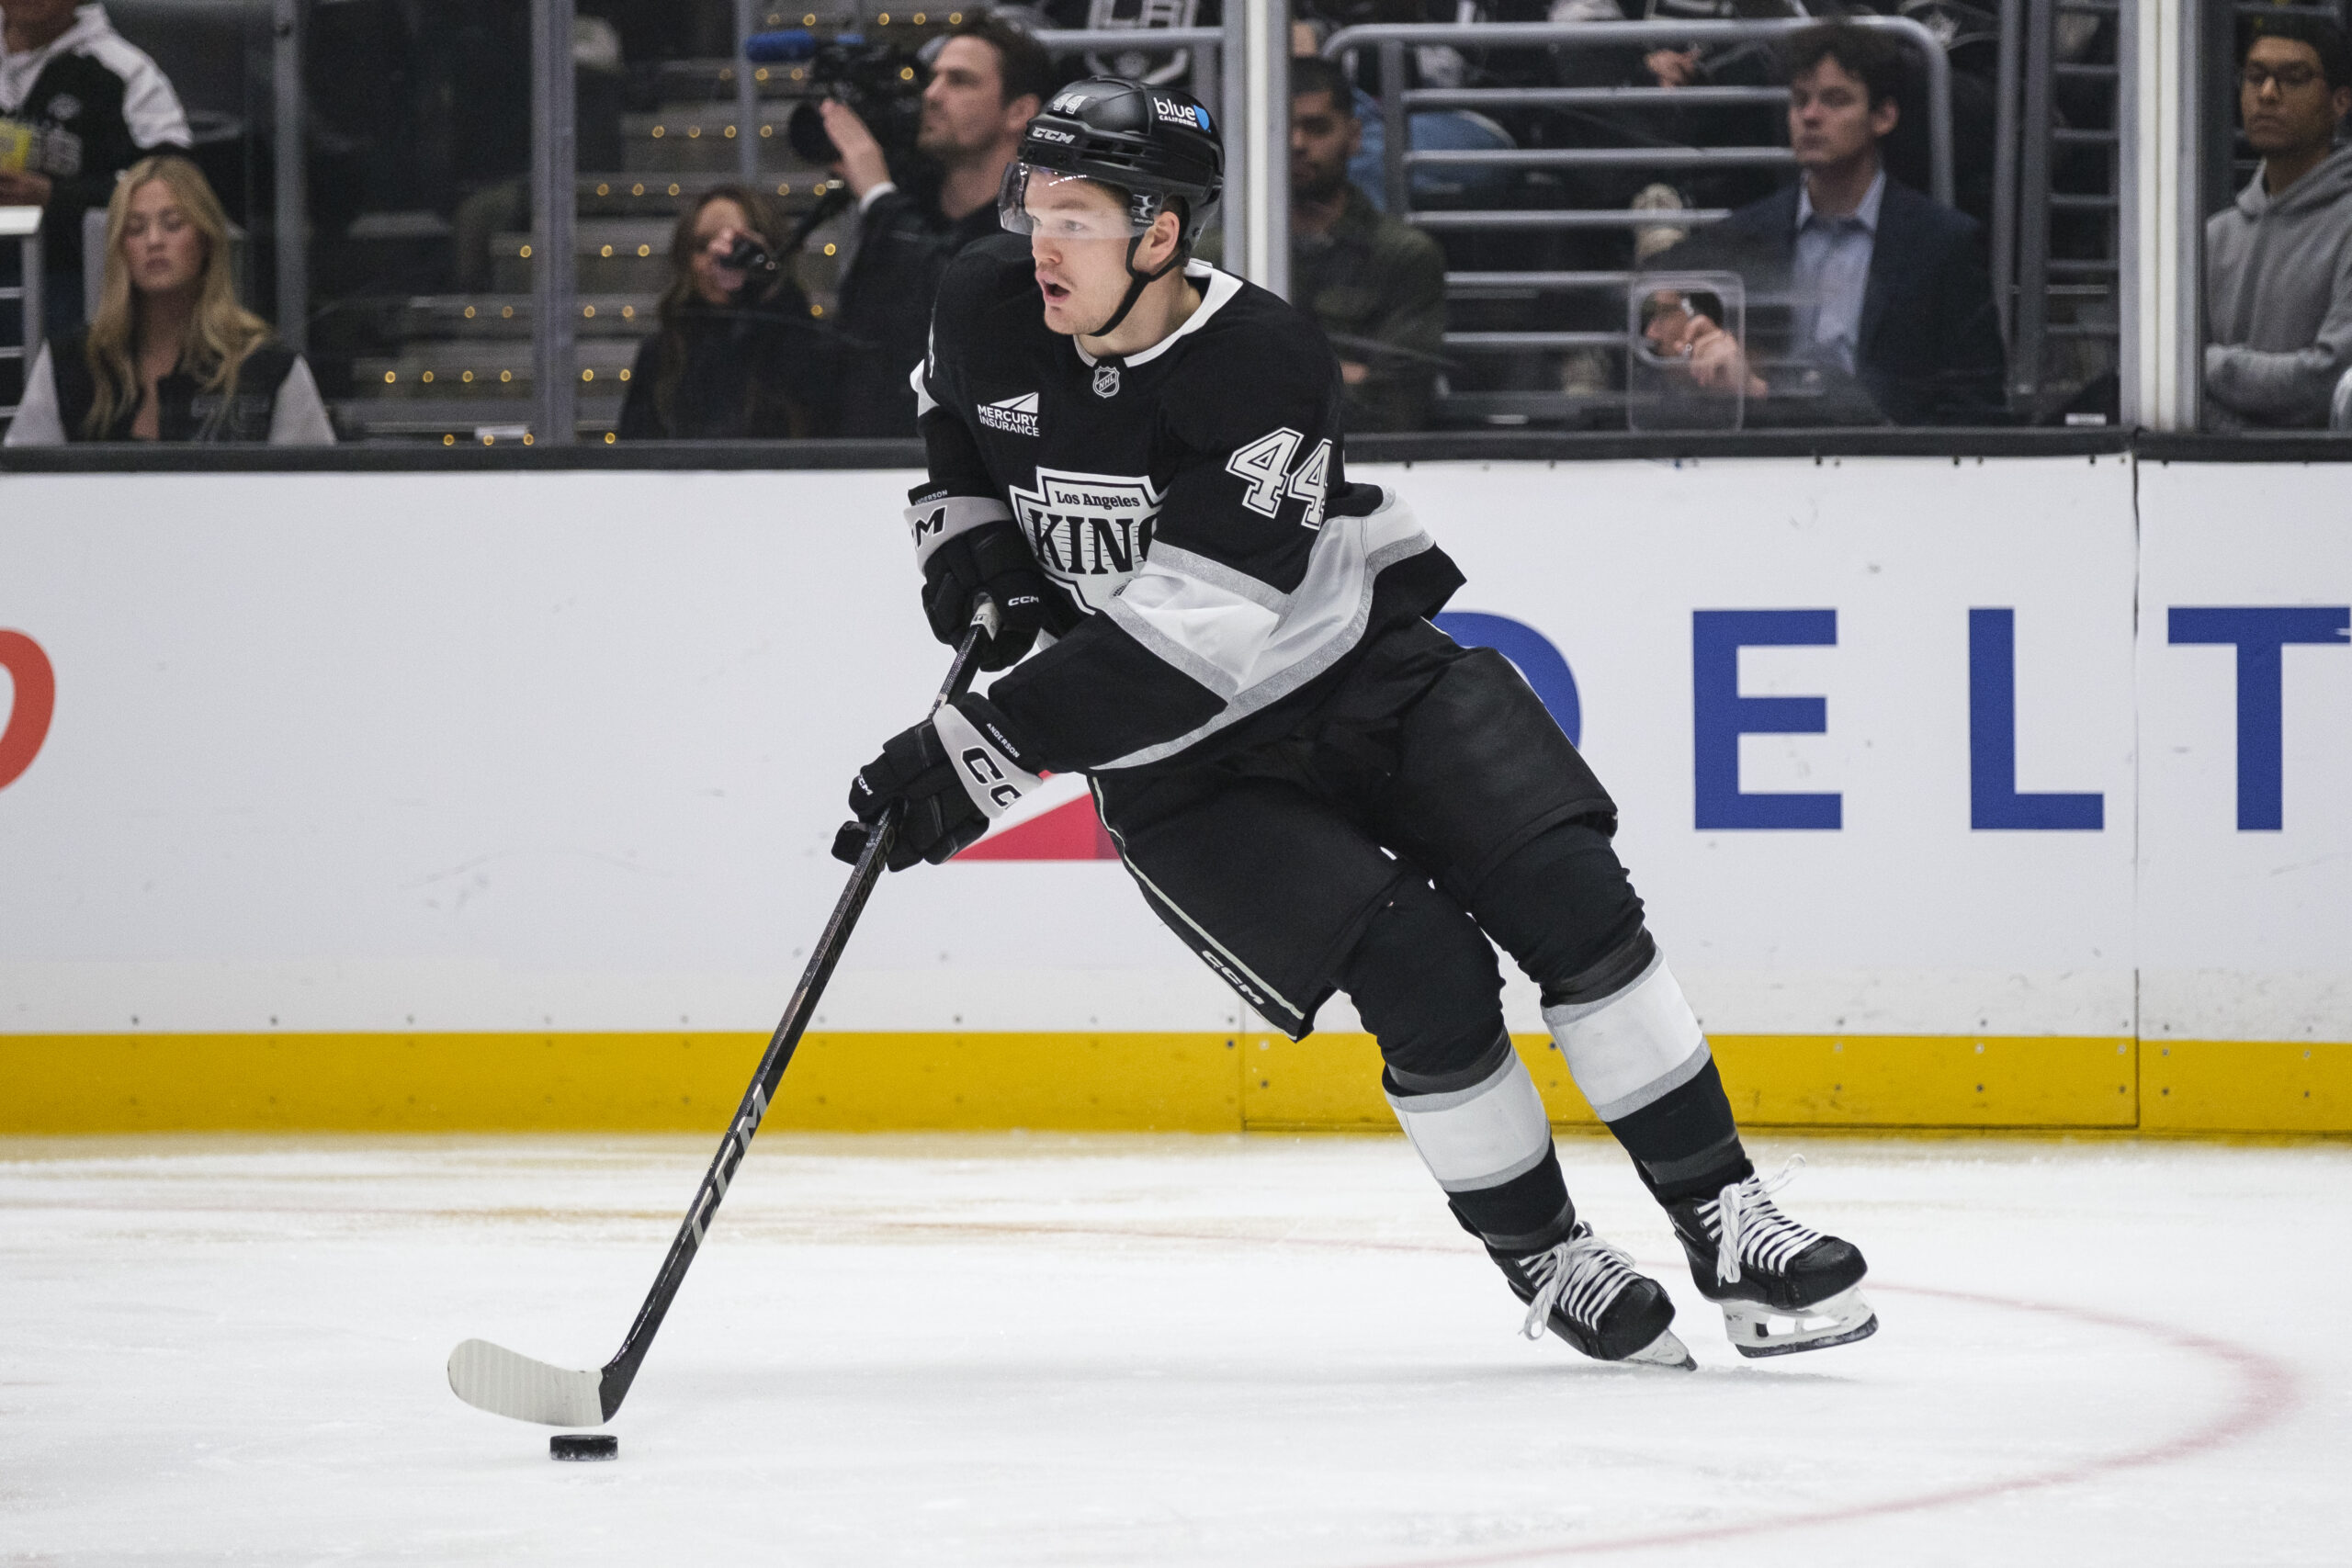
1869, 302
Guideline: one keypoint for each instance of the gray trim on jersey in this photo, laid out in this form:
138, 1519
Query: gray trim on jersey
1633, 1047
1250, 652
1480, 1138
936, 522
1218, 575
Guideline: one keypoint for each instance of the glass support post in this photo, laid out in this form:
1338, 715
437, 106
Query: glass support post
1395, 128
554, 176
292, 219
747, 97
1233, 75
1269, 144
2008, 64
2162, 355
2027, 346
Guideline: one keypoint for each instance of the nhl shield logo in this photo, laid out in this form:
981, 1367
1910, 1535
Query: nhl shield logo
1106, 380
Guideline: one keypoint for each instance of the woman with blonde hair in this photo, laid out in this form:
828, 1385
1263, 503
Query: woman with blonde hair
170, 354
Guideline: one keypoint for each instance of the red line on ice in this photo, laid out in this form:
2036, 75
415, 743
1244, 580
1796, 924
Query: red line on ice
2266, 1394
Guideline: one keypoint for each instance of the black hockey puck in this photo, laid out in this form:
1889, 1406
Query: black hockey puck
585, 1444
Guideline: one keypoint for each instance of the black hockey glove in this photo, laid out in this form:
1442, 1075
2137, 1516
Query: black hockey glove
957, 771
994, 557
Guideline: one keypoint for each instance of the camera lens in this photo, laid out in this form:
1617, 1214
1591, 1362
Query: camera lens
806, 132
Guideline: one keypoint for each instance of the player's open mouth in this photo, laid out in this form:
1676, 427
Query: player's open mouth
1056, 292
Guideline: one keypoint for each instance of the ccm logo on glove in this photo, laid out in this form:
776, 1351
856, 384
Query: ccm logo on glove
990, 772
953, 774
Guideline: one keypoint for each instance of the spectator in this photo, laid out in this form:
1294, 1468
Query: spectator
2278, 261
1376, 286
1744, 63
94, 105
987, 83
1892, 314
737, 356
170, 356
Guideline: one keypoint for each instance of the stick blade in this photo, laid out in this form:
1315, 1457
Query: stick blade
490, 1376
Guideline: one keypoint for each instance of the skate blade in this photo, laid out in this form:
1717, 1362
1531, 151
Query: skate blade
1757, 1330
1665, 1350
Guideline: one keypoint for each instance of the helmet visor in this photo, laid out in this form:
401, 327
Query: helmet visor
1034, 200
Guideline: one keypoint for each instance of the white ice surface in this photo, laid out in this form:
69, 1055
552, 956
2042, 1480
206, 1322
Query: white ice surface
1052, 1351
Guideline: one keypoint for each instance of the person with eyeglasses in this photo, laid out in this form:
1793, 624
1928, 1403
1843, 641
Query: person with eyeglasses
2279, 260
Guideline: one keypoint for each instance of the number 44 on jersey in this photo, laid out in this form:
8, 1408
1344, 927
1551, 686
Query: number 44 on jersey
1263, 466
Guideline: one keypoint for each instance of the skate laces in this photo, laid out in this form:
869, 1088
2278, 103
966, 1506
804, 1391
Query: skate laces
1749, 1227
1584, 1272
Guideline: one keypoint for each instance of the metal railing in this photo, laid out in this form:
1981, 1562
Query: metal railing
2026, 274
1389, 42
554, 173
22, 224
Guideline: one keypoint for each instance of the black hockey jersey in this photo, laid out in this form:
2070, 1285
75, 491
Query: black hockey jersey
1190, 504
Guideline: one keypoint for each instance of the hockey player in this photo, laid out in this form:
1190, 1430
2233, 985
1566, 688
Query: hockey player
1138, 457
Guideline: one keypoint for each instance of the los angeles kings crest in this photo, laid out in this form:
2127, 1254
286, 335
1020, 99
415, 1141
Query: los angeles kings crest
1091, 532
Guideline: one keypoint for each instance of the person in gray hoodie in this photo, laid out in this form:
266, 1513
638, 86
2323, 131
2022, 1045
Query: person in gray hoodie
2279, 260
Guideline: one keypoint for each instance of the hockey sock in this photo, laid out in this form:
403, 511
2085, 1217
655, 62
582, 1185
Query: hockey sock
1686, 1144
1635, 1049
1424, 981
1484, 1134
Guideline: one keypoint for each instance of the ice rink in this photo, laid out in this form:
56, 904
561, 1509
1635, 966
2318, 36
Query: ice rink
1103, 1350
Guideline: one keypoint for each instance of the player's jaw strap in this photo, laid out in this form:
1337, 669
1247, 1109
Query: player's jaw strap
1136, 283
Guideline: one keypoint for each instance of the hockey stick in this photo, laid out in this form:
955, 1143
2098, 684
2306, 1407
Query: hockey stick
504, 1383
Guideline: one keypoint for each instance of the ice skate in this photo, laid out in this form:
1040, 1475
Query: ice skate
1589, 1294
1784, 1287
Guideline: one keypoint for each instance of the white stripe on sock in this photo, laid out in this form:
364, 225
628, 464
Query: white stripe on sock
1634, 1048
1480, 1137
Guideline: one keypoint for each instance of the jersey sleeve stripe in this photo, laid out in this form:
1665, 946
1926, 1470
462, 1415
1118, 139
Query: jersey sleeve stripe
1250, 656
150, 108
1211, 644
1210, 573
935, 521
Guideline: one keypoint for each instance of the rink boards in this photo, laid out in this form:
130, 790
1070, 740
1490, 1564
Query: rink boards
1996, 792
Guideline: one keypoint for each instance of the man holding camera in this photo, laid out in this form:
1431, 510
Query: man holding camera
986, 84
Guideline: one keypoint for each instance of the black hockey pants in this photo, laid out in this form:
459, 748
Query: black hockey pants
1428, 803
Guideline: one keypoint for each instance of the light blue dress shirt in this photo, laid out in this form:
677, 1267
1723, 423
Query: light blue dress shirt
1832, 270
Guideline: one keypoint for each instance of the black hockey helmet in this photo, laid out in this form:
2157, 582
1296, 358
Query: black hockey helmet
1155, 143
